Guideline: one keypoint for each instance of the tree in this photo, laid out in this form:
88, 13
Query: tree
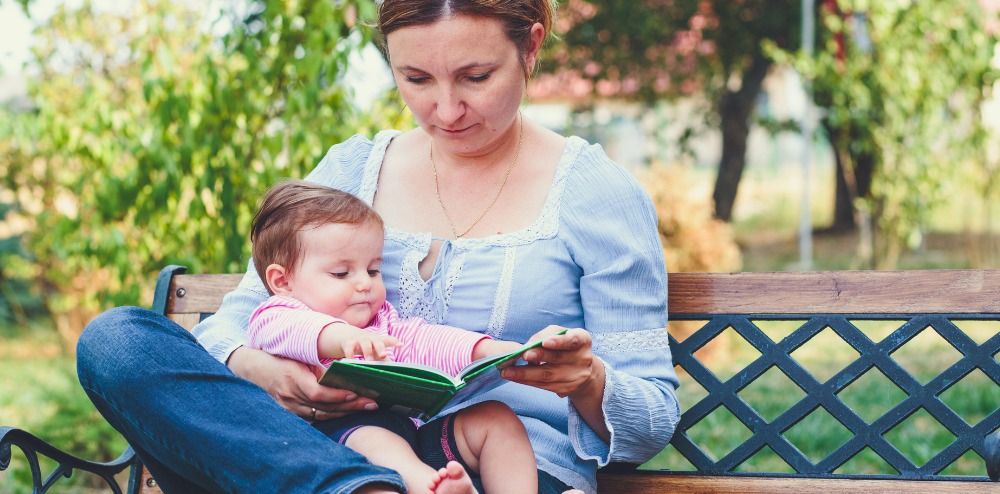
903, 84
155, 135
653, 49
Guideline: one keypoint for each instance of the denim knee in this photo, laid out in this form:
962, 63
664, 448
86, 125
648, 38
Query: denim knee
112, 343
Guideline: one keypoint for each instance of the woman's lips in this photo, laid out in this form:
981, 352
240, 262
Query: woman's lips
454, 132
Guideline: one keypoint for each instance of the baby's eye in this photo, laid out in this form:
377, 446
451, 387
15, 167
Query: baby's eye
373, 272
340, 275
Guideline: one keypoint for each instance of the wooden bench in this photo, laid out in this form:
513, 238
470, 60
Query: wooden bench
741, 304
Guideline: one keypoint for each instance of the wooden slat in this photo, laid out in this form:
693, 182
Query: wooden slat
682, 484
858, 292
186, 320
201, 292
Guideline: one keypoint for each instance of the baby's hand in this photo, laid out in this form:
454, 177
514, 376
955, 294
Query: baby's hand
342, 340
370, 345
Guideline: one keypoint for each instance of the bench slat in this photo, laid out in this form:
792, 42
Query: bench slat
957, 291
196, 293
629, 483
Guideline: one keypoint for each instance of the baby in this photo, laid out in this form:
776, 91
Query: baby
318, 251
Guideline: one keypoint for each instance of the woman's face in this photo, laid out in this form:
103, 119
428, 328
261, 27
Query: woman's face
462, 78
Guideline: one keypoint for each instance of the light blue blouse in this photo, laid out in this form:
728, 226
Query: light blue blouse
592, 259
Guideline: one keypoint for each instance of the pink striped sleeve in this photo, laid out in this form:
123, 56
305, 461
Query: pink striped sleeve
442, 347
286, 327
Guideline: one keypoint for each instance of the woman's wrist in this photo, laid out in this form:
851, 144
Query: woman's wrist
235, 358
588, 399
242, 361
593, 387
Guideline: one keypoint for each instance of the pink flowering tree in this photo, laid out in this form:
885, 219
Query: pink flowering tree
661, 49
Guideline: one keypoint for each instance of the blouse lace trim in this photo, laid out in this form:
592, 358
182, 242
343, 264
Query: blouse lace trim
369, 177
501, 302
416, 297
411, 286
631, 341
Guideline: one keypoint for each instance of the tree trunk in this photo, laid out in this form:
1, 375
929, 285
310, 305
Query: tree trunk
843, 203
854, 176
735, 109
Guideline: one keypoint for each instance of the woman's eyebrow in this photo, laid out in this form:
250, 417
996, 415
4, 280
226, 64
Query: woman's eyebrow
468, 66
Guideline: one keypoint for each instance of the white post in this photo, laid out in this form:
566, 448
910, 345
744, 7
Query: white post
805, 213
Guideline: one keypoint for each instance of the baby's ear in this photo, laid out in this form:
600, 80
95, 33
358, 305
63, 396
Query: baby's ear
278, 279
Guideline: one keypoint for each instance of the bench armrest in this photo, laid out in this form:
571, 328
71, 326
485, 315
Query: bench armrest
32, 446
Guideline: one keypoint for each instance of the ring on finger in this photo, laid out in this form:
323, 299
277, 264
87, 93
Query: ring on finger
313, 415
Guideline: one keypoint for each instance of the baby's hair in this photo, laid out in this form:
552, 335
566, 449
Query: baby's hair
290, 207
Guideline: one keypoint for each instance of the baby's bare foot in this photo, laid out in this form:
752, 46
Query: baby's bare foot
452, 479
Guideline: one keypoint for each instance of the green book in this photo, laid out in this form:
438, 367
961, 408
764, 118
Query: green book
418, 390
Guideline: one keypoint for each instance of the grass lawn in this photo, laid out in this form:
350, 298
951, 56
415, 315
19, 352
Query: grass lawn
39, 392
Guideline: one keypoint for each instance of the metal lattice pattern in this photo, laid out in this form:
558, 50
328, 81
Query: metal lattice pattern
825, 394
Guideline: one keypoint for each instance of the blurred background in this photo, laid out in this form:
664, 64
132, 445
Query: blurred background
773, 135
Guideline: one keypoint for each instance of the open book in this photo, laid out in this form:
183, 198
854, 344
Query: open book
418, 390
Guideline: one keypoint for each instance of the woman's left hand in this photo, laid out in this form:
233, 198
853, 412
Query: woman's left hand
564, 364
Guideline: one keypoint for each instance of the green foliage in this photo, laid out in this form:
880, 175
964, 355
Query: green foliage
908, 79
18, 301
155, 136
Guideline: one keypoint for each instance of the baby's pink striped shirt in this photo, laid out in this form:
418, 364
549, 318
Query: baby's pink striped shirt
285, 326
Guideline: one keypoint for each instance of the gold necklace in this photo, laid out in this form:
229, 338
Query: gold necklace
437, 186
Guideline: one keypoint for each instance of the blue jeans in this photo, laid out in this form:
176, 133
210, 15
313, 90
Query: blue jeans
197, 426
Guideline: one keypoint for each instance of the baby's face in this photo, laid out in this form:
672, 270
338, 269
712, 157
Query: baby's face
340, 271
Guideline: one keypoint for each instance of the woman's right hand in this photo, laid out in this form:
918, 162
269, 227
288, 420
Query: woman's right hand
294, 385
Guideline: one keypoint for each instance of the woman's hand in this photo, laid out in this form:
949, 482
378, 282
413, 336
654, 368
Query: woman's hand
565, 365
294, 385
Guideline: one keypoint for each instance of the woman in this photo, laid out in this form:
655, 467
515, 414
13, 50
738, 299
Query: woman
494, 224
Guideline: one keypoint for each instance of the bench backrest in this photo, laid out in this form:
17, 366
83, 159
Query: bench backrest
706, 308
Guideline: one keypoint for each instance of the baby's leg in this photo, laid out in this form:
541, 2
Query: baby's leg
387, 449
492, 441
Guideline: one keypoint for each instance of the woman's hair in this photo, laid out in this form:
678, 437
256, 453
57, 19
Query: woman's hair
517, 16
293, 206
